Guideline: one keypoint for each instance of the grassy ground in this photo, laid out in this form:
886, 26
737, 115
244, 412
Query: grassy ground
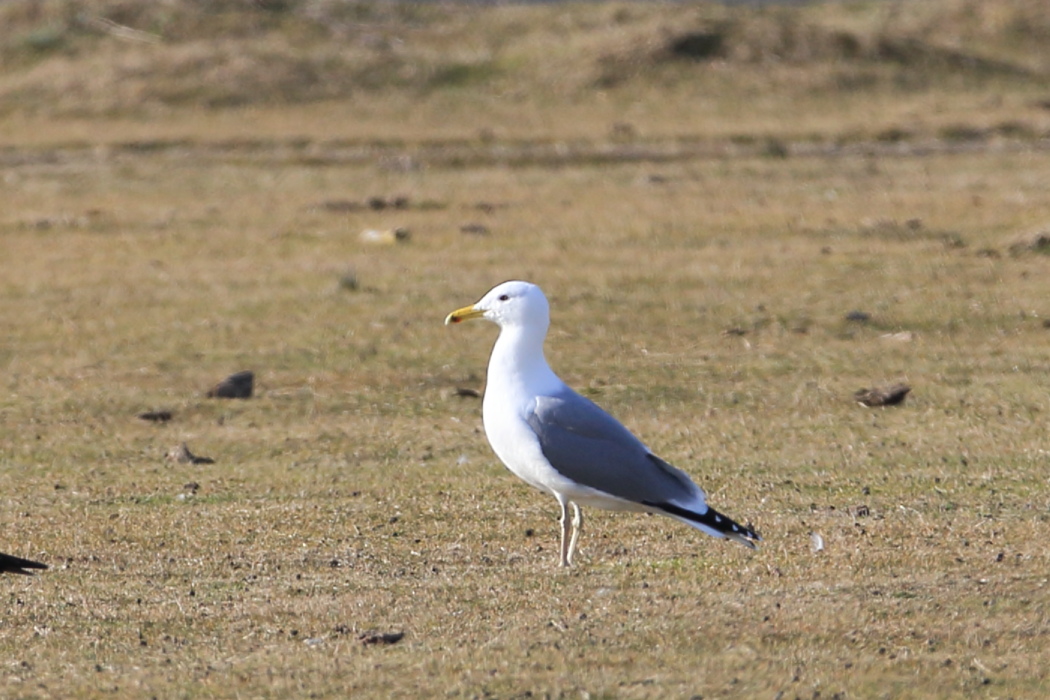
701, 258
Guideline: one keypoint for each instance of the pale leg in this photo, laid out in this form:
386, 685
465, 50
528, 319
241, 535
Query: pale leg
577, 525
566, 540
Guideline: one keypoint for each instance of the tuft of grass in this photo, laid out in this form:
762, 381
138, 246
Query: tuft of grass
45, 40
461, 75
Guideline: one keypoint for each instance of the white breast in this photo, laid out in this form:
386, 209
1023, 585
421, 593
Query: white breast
515, 443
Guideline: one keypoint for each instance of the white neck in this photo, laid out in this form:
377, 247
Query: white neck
517, 362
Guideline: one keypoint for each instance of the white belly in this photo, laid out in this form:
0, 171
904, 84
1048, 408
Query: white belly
517, 446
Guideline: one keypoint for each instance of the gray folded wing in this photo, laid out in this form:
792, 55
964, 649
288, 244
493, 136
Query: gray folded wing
587, 445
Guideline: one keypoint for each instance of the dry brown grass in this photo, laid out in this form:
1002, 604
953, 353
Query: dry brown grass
701, 297
421, 70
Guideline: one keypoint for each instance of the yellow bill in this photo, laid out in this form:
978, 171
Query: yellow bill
464, 314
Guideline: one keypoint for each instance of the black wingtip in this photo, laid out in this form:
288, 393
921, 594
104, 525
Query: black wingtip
714, 520
17, 565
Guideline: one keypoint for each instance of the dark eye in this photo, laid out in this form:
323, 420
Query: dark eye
504, 297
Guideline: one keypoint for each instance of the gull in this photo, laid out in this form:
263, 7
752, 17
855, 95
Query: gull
15, 565
563, 443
